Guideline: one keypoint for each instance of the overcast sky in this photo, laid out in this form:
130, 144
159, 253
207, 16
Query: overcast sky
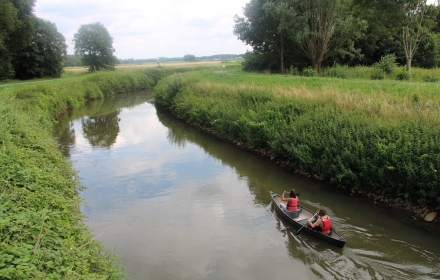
151, 29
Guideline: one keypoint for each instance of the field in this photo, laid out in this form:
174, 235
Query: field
175, 64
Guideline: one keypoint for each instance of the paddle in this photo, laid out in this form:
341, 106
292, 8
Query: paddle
297, 232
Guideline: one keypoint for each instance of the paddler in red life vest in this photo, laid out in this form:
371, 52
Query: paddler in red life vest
292, 204
322, 224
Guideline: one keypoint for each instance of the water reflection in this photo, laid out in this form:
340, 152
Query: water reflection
99, 118
101, 131
176, 203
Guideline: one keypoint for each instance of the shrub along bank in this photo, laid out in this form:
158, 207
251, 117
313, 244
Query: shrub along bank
42, 234
376, 137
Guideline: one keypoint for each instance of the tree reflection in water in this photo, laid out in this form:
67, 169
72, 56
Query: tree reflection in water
101, 131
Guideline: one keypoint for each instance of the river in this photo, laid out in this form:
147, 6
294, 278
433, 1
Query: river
176, 203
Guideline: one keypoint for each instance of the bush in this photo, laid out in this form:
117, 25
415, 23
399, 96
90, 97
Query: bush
335, 72
309, 72
377, 74
403, 75
292, 70
255, 61
386, 63
430, 79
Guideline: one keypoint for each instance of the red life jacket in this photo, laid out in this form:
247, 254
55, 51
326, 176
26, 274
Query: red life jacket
292, 204
326, 225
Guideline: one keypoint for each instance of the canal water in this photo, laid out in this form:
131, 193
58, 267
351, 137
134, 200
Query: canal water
176, 203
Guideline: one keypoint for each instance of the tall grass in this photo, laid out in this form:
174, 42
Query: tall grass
376, 136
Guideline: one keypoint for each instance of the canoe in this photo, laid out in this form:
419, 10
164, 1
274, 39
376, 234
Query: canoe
304, 215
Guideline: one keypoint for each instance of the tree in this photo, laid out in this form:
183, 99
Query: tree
189, 57
414, 28
95, 45
322, 28
259, 29
8, 21
45, 55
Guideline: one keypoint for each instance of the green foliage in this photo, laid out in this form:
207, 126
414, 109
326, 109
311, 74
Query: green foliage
189, 57
94, 43
364, 147
430, 79
73, 60
335, 72
387, 63
30, 47
255, 61
45, 56
403, 75
167, 89
309, 72
377, 74
293, 70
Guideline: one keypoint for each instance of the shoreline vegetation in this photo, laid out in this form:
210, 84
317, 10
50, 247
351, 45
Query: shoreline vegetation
42, 231
378, 139
375, 138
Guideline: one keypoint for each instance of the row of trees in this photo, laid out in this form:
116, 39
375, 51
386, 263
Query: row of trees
323, 32
31, 47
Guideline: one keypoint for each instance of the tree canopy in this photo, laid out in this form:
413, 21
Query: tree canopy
45, 55
29, 46
189, 57
352, 32
94, 43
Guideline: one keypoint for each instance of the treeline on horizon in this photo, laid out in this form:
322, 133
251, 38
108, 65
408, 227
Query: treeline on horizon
75, 60
322, 33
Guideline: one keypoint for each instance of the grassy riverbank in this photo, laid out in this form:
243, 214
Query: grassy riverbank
379, 137
42, 234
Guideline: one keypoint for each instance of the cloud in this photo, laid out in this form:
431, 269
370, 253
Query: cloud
149, 29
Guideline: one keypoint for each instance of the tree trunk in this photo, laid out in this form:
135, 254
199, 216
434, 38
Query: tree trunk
282, 54
408, 63
316, 64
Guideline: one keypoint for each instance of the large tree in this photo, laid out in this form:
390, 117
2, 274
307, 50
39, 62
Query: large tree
415, 27
322, 28
29, 46
16, 28
45, 55
94, 43
8, 21
260, 30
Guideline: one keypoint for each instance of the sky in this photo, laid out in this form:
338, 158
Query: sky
152, 28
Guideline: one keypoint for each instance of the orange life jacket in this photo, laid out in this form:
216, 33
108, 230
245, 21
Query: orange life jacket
292, 204
326, 225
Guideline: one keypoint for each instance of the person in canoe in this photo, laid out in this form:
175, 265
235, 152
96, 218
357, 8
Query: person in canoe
322, 224
291, 208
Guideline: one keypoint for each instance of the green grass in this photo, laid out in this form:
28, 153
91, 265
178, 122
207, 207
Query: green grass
379, 136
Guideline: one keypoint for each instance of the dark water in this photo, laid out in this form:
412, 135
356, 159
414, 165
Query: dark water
176, 203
